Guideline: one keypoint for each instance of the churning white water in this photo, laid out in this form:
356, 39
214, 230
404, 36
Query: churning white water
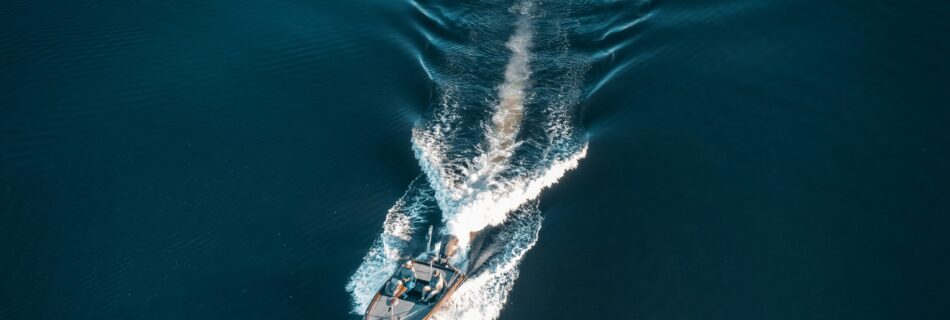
486, 190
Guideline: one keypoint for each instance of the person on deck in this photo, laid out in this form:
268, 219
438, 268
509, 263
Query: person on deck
436, 283
407, 275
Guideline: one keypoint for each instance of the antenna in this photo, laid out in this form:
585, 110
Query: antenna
429, 249
429, 240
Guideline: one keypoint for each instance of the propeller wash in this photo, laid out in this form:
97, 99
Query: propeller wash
486, 152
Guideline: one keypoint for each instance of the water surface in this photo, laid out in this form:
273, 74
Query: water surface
735, 159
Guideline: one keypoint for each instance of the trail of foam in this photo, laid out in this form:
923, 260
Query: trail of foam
487, 189
491, 208
483, 295
478, 185
510, 111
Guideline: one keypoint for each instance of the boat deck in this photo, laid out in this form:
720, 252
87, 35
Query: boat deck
411, 308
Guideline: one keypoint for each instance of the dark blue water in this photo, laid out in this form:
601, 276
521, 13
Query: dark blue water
236, 159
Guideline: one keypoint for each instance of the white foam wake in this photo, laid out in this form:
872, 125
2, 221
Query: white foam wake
483, 295
474, 194
488, 189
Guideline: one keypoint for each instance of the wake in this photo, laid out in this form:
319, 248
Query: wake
492, 194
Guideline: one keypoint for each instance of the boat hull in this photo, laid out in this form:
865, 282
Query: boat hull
382, 306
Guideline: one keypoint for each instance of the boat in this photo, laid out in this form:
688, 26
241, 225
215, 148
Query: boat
390, 303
